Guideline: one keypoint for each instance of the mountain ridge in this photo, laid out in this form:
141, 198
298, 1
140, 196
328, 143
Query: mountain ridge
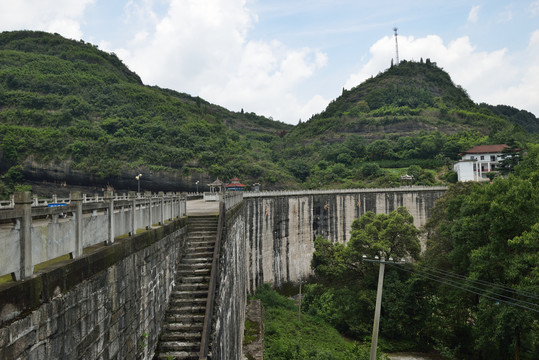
71, 113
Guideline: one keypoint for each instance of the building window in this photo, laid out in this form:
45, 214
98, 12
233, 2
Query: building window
472, 157
492, 157
482, 157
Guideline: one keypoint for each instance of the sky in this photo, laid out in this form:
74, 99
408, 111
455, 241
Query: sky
287, 59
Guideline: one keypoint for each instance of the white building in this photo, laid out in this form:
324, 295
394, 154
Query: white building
480, 160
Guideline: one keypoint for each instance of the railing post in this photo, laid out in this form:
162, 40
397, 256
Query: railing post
109, 199
181, 207
23, 202
133, 198
148, 195
76, 199
162, 199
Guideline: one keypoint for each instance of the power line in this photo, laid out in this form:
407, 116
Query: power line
466, 285
482, 282
454, 284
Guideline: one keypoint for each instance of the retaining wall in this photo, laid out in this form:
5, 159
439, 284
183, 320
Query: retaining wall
231, 298
107, 304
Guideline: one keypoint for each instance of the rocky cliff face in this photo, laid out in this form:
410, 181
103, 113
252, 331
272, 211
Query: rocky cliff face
60, 178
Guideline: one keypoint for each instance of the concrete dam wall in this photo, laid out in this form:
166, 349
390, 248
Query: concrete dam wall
282, 226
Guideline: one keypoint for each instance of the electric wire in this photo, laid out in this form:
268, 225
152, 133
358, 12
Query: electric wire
477, 288
436, 278
482, 282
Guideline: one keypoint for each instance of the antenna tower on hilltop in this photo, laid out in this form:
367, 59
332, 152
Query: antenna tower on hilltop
396, 45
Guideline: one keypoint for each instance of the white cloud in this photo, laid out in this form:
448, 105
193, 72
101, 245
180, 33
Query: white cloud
201, 48
495, 77
56, 16
534, 8
523, 92
473, 16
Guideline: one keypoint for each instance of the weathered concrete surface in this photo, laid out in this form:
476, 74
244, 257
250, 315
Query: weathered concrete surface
108, 304
281, 229
231, 297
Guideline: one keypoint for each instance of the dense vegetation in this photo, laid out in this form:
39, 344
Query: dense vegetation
409, 119
472, 295
311, 338
66, 102
82, 116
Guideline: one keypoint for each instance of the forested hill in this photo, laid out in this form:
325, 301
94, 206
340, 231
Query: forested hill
410, 97
73, 114
411, 119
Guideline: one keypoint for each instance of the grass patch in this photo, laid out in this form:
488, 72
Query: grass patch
252, 329
5, 279
46, 264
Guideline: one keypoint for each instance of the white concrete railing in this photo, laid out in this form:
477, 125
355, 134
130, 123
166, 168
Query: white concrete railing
232, 198
30, 235
63, 200
251, 194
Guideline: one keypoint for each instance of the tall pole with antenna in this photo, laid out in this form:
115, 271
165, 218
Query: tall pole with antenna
396, 46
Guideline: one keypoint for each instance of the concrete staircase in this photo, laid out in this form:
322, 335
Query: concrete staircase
182, 327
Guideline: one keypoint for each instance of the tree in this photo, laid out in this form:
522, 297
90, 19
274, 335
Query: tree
392, 235
488, 233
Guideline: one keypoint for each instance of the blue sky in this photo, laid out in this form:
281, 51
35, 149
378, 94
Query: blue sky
287, 59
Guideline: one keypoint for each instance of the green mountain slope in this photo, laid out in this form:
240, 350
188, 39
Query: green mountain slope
411, 119
70, 112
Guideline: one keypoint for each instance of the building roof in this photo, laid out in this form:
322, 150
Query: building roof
235, 182
486, 149
217, 183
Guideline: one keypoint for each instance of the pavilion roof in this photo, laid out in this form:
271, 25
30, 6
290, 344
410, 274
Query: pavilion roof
217, 183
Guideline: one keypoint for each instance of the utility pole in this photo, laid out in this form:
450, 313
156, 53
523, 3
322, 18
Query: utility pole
378, 307
299, 308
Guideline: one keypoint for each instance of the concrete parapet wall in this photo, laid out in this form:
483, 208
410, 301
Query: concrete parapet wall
107, 304
50, 232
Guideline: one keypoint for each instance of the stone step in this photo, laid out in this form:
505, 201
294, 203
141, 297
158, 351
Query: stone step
191, 286
198, 253
178, 327
195, 267
205, 229
193, 279
202, 237
178, 355
184, 319
202, 246
203, 225
189, 294
179, 302
201, 242
197, 260
181, 336
179, 346
206, 250
187, 272
187, 309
